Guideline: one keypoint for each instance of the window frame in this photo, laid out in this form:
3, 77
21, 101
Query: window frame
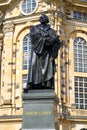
80, 92
71, 72
79, 15
80, 54
31, 11
26, 52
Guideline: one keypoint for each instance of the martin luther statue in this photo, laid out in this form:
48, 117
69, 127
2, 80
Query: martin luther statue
45, 45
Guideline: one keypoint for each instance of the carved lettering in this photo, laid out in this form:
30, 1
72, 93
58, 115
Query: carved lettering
40, 113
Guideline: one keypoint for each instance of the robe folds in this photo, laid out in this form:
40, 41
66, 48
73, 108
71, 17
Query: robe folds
45, 45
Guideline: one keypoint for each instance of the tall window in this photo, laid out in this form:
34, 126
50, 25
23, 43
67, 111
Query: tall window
28, 6
80, 55
26, 57
80, 66
26, 51
80, 92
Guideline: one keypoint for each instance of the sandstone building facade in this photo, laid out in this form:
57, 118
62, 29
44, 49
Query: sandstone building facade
69, 19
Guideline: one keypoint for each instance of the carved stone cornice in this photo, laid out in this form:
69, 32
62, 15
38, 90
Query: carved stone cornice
8, 27
4, 2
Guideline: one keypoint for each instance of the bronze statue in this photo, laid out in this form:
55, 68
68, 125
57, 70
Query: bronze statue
45, 45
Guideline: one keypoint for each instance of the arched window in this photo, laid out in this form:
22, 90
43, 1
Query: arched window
26, 51
80, 66
80, 55
28, 6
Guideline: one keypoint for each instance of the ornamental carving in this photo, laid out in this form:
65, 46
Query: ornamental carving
8, 27
52, 20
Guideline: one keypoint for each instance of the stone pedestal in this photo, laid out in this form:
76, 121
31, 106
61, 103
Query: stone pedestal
40, 110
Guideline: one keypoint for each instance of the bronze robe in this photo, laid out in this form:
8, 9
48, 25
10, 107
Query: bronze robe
45, 46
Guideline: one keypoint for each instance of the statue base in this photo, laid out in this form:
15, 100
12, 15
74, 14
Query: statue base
40, 110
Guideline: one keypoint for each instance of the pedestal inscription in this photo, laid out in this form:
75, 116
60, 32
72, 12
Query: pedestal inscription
40, 110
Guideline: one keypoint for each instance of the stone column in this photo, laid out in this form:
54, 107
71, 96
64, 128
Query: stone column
7, 77
61, 60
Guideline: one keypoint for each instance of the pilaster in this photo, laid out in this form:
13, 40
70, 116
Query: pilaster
1, 42
7, 65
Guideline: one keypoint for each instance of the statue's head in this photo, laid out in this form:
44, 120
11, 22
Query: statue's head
44, 19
